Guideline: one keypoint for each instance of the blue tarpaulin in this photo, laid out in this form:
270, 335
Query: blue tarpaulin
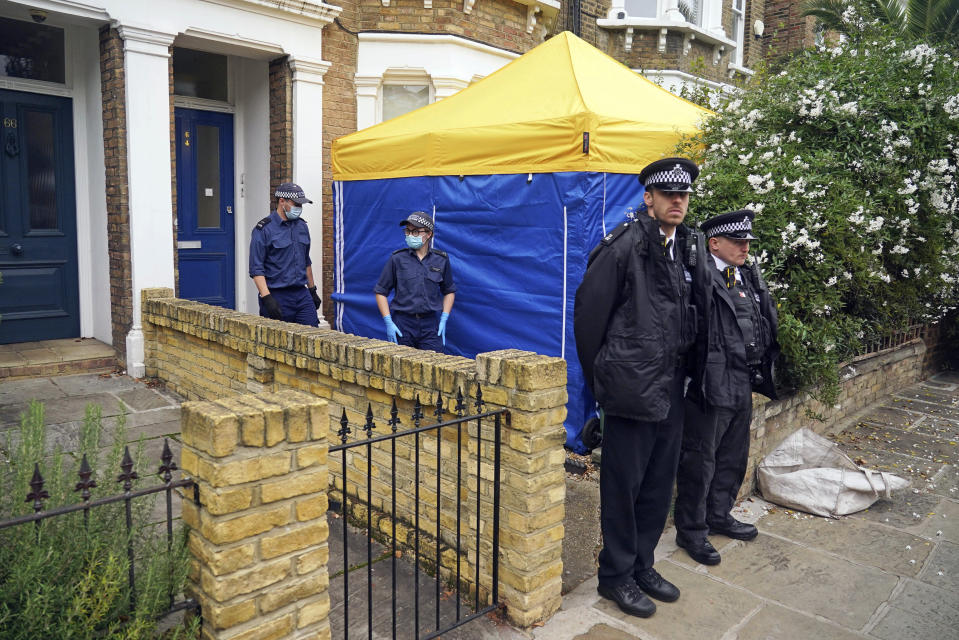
518, 245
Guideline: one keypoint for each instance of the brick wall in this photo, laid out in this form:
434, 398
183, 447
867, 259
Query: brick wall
281, 123
864, 382
113, 94
786, 29
259, 536
207, 353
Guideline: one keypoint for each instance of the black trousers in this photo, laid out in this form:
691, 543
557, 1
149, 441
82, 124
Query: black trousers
636, 488
712, 463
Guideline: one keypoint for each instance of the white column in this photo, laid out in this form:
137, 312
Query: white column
367, 93
308, 153
713, 17
146, 56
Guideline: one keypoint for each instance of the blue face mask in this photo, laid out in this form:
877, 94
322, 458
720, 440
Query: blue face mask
414, 242
294, 213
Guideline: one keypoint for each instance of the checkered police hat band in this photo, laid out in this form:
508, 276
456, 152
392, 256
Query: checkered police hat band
730, 227
676, 175
289, 195
420, 221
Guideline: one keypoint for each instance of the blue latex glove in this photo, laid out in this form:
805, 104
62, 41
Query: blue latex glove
391, 329
441, 332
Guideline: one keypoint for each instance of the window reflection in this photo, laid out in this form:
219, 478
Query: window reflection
207, 176
31, 51
403, 98
38, 135
199, 74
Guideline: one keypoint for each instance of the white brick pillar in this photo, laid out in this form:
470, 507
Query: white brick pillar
146, 58
308, 153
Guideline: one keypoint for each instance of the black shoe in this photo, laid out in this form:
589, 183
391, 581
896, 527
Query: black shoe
657, 586
700, 551
735, 529
629, 598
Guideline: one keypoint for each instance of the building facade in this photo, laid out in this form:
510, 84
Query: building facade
142, 139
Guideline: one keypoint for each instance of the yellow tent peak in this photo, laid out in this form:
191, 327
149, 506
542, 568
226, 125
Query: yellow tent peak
562, 106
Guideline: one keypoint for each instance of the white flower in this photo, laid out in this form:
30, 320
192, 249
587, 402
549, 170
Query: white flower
831, 281
850, 107
875, 224
744, 159
951, 107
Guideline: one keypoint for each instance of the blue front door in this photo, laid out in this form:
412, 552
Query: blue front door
39, 295
204, 189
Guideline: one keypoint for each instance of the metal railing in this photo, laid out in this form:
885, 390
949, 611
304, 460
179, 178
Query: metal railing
455, 538
38, 495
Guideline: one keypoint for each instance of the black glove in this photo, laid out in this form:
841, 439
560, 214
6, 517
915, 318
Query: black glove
272, 307
316, 298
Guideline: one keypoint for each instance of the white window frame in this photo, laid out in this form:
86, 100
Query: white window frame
739, 18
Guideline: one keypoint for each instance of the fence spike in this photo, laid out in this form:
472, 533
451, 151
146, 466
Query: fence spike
85, 483
369, 421
460, 404
439, 407
168, 466
417, 411
479, 400
39, 494
344, 427
394, 419
128, 475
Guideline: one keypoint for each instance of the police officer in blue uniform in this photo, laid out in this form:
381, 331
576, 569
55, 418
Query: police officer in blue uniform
735, 350
634, 324
422, 279
280, 262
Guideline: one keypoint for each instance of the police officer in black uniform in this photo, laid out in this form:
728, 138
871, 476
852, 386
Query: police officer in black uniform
423, 281
634, 324
735, 351
280, 262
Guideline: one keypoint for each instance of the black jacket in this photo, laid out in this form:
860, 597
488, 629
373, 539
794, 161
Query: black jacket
720, 374
633, 320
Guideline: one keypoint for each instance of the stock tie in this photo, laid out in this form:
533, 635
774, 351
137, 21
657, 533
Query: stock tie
730, 273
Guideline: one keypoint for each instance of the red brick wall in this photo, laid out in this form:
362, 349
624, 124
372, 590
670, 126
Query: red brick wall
499, 23
786, 29
113, 96
281, 123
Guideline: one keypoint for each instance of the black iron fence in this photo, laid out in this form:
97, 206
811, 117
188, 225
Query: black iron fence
882, 343
449, 538
39, 494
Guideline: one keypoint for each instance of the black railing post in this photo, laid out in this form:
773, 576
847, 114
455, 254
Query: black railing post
38, 495
167, 467
417, 416
394, 422
369, 518
479, 493
84, 487
343, 433
460, 411
127, 478
439, 446
496, 451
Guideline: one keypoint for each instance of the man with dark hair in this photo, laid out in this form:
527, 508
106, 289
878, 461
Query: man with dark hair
634, 324
735, 351
422, 279
280, 262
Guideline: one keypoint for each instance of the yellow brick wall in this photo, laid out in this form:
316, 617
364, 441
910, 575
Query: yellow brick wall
206, 353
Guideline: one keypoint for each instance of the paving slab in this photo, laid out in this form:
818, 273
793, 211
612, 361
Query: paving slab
806, 579
910, 443
906, 511
583, 539
942, 570
943, 524
23, 391
773, 622
900, 625
890, 417
706, 609
928, 601
604, 632
946, 481
917, 470
86, 383
143, 399
857, 540
945, 410
943, 428
928, 393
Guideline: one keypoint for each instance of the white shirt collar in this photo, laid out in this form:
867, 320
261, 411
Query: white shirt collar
722, 264
667, 239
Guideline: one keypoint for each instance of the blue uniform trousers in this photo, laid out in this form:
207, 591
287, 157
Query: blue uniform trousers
636, 487
296, 304
419, 330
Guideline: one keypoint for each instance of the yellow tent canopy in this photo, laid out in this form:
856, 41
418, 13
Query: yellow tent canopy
563, 106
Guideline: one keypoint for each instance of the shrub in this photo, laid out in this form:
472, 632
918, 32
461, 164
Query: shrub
848, 156
67, 576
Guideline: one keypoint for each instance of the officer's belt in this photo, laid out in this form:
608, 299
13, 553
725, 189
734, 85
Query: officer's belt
425, 314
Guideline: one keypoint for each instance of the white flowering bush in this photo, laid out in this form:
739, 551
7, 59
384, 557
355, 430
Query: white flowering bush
848, 155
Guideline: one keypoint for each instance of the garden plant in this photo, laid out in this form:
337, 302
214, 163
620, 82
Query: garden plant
66, 577
848, 155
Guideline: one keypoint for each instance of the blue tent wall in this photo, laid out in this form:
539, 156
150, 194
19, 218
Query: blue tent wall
510, 242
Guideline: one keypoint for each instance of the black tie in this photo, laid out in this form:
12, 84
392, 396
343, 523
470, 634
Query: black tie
730, 273
667, 249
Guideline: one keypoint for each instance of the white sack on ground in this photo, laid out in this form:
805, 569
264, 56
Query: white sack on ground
810, 473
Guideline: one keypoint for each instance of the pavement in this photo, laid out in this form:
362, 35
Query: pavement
890, 572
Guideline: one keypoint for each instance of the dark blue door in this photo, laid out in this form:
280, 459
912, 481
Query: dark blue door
39, 295
204, 189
